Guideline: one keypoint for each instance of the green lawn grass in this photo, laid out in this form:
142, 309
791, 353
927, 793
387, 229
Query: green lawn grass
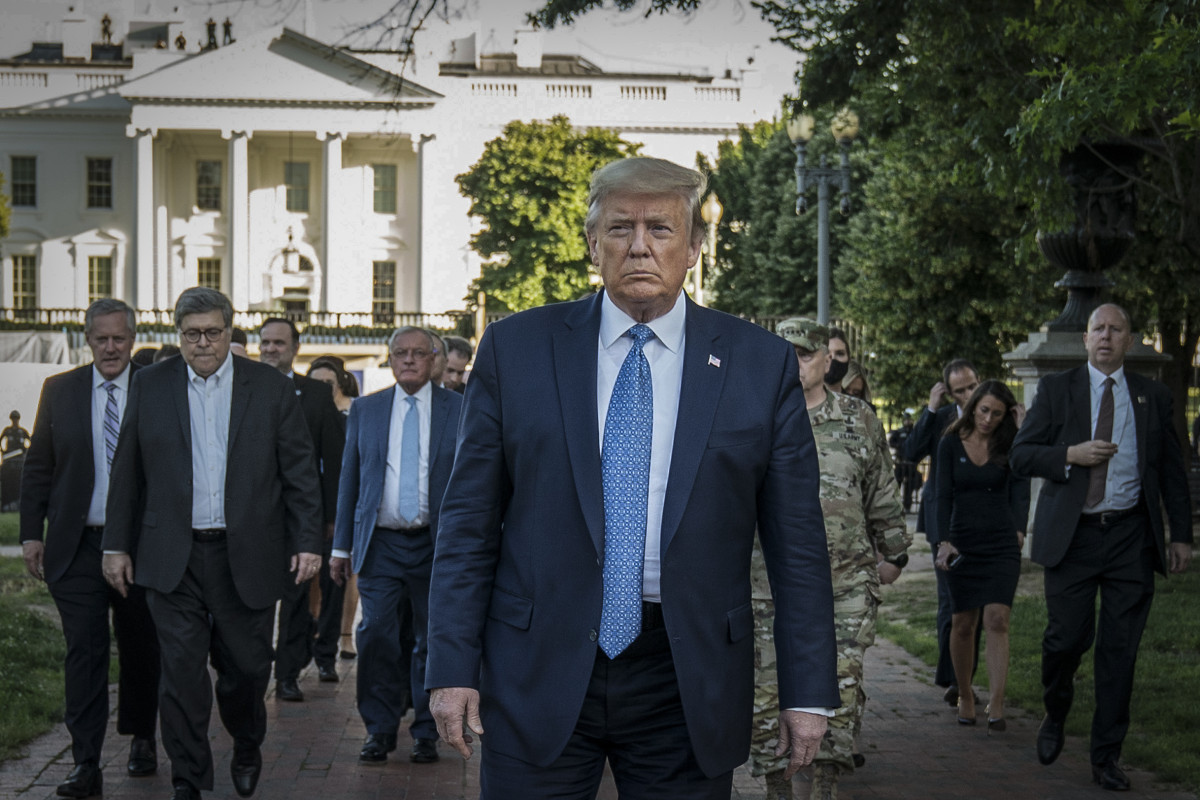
1165, 732
9, 530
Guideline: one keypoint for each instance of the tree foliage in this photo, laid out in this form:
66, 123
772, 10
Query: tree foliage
5, 211
530, 190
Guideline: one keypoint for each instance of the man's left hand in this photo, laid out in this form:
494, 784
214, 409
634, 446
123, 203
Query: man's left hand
305, 565
801, 733
118, 572
1180, 556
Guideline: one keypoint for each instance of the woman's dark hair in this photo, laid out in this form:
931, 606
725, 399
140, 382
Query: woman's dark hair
1002, 439
345, 381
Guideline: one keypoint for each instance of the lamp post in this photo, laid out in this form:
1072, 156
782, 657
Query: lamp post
711, 213
800, 130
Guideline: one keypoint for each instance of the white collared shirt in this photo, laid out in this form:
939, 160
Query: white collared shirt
389, 503
1122, 487
95, 515
210, 403
665, 354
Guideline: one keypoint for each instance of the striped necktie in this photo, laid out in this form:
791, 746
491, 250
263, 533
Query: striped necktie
410, 462
112, 423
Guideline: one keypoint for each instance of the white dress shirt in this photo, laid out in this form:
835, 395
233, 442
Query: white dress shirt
95, 515
210, 402
1122, 487
389, 503
665, 354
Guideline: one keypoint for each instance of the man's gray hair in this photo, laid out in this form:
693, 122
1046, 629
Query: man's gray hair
201, 300
648, 176
105, 306
411, 329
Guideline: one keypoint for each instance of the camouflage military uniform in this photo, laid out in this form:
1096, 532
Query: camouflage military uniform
861, 504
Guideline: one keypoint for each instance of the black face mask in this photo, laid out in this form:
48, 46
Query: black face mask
837, 371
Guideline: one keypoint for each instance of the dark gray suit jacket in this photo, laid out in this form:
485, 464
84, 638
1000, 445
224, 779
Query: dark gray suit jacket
272, 495
1061, 416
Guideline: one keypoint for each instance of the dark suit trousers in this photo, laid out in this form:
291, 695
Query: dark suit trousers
1117, 560
294, 645
632, 717
396, 568
205, 617
83, 598
329, 618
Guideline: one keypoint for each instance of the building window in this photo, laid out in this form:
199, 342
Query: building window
385, 188
208, 185
99, 183
24, 285
383, 292
100, 277
22, 180
295, 176
208, 273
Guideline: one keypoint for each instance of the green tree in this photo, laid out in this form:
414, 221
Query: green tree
5, 211
530, 189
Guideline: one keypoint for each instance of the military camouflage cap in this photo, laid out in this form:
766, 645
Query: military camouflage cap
804, 332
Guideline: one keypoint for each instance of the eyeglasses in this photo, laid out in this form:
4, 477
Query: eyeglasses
193, 336
417, 353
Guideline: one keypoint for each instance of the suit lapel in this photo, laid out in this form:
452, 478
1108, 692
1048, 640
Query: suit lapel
383, 422
699, 390
82, 400
575, 371
239, 402
1141, 415
1081, 403
179, 389
438, 412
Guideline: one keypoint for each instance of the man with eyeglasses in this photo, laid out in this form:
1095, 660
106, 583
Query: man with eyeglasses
214, 496
397, 459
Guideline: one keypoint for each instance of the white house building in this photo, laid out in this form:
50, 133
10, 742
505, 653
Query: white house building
290, 174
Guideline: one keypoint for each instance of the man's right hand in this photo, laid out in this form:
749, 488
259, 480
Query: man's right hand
456, 709
1091, 453
34, 553
118, 571
937, 395
339, 570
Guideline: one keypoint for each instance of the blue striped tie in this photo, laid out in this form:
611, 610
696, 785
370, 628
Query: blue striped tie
410, 462
112, 423
625, 460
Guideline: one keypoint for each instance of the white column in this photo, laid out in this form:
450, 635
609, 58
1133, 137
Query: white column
167, 290
331, 200
239, 220
144, 294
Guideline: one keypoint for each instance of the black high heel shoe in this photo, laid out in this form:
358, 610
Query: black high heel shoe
997, 725
965, 720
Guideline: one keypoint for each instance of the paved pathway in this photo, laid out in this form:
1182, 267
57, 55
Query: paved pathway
914, 749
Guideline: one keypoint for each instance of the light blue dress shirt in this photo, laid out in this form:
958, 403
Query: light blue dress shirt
209, 404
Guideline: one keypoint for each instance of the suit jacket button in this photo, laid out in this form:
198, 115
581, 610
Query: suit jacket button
592, 635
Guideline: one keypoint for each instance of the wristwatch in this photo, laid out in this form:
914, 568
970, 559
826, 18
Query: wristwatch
899, 562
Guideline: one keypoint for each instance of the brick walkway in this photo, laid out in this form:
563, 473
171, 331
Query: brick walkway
914, 749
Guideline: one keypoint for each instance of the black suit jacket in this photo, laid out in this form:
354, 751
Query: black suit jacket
1061, 416
923, 441
327, 429
272, 493
60, 472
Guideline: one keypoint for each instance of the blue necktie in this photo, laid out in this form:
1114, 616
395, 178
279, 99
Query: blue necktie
112, 423
626, 475
410, 462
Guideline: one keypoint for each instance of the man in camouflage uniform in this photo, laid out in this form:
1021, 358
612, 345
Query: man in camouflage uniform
867, 539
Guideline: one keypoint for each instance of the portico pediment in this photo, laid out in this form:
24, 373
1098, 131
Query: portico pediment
277, 66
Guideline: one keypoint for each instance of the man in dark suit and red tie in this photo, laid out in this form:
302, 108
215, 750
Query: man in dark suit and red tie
214, 507
65, 482
591, 587
1104, 441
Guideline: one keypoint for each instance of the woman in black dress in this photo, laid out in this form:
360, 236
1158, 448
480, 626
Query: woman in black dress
985, 509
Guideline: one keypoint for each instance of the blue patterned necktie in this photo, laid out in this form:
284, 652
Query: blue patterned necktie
410, 462
112, 423
626, 474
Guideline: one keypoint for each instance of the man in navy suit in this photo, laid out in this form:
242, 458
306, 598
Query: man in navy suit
1104, 440
65, 481
397, 459
591, 589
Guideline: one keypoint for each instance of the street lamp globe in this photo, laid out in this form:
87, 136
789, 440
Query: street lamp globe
800, 128
712, 209
844, 126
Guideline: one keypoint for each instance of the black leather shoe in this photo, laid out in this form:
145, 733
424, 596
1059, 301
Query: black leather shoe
1110, 777
85, 780
951, 695
327, 673
143, 758
289, 690
245, 768
376, 748
1049, 740
348, 655
424, 751
185, 791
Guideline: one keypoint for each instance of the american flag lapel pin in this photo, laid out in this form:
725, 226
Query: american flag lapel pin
1142, 399
713, 361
